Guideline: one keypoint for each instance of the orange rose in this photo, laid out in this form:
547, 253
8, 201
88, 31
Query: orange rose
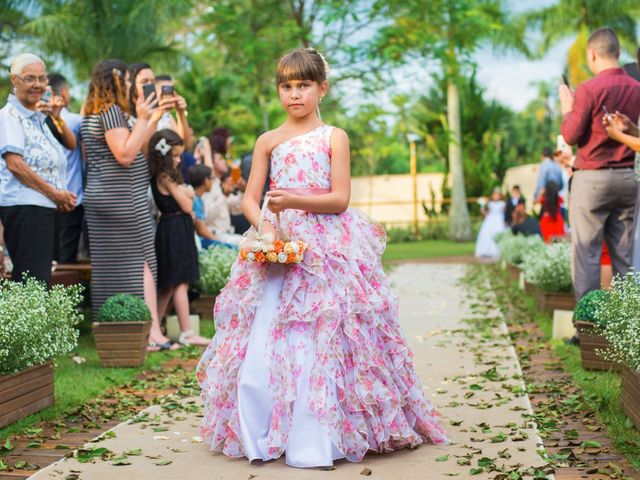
291, 258
278, 245
260, 257
243, 254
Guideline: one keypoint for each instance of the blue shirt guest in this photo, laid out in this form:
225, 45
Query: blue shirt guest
549, 171
32, 169
69, 224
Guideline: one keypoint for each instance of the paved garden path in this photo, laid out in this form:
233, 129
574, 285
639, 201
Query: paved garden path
471, 377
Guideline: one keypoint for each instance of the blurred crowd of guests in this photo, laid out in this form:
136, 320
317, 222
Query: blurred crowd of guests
123, 182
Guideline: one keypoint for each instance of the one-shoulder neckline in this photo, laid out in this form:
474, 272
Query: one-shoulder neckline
296, 136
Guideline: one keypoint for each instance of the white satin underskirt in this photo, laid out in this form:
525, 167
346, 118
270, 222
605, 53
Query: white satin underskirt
308, 444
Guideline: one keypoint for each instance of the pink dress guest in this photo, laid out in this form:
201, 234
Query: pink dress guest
309, 359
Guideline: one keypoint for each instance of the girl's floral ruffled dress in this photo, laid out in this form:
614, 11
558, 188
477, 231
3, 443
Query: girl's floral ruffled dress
309, 359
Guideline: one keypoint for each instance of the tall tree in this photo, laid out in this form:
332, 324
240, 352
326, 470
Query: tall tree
447, 32
84, 32
577, 19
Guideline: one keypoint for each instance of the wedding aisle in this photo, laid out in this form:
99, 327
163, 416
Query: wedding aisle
471, 375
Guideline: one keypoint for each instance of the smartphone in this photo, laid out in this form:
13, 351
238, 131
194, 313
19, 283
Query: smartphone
167, 90
148, 89
606, 112
46, 96
565, 80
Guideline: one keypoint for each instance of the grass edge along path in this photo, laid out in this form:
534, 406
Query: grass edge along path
426, 249
594, 394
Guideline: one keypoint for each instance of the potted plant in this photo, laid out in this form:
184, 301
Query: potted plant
36, 325
550, 271
122, 331
514, 248
589, 315
621, 327
215, 268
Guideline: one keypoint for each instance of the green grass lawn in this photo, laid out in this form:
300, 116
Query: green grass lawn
426, 249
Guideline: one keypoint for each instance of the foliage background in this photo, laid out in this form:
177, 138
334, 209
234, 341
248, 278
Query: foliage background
223, 54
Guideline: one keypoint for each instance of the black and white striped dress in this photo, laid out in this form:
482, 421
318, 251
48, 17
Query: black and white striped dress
120, 225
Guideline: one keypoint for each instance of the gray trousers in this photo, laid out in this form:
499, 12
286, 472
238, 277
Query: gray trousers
602, 208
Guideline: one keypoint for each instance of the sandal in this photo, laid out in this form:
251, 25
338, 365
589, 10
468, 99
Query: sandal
189, 337
158, 347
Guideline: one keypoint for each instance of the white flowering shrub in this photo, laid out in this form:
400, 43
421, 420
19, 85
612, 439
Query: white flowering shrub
215, 267
549, 268
36, 324
620, 312
513, 248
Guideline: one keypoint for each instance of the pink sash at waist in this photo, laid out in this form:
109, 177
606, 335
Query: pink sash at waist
305, 191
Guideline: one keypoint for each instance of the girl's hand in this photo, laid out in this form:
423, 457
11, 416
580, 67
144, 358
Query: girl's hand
279, 201
145, 107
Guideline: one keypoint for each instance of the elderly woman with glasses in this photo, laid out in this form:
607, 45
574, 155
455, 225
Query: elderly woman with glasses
33, 169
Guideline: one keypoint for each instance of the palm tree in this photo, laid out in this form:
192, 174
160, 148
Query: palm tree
84, 32
447, 32
576, 19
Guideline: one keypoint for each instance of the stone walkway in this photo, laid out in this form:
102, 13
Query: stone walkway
472, 378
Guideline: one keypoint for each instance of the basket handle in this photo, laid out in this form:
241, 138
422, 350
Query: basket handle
263, 211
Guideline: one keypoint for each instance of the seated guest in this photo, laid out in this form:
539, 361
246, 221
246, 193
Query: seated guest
33, 173
515, 199
524, 224
200, 178
69, 224
551, 221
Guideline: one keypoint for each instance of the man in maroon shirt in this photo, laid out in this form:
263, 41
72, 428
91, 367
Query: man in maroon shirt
603, 188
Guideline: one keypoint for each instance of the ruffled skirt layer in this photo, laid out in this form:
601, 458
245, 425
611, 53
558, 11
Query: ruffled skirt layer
309, 359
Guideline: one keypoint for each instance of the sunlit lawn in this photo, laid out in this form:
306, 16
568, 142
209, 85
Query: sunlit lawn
426, 249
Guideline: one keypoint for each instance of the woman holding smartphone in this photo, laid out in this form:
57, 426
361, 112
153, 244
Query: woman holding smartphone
123, 256
33, 170
141, 74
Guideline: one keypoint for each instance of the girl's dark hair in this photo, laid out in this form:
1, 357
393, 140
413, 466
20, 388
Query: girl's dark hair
107, 87
134, 70
551, 190
302, 64
163, 164
218, 140
198, 174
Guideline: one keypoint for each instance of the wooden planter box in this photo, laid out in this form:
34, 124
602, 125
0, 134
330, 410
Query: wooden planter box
25, 392
630, 395
550, 301
121, 344
531, 289
590, 340
203, 306
514, 273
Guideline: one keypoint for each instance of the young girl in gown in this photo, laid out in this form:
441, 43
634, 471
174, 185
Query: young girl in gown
309, 359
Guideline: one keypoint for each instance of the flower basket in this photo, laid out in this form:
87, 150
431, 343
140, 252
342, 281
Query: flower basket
590, 343
264, 248
123, 331
630, 394
26, 392
550, 301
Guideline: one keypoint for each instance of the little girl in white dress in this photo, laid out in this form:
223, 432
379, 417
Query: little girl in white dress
309, 359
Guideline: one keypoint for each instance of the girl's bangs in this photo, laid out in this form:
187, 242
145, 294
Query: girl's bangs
298, 68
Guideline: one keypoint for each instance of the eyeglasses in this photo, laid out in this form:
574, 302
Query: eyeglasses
30, 80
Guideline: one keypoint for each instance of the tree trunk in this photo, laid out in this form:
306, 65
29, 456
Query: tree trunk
264, 111
460, 226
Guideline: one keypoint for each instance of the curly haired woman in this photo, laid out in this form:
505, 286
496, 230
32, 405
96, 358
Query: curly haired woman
123, 257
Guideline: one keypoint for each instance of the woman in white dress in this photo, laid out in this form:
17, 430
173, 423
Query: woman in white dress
493, 224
